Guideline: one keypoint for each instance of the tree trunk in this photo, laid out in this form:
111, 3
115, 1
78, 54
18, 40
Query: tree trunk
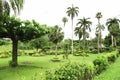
112, 40
72, 39
100, 41
14, 52
115, 42
98, 44
84, 39
79, 43
56, 51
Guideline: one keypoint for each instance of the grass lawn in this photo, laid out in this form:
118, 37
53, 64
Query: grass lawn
112, 72
31, 67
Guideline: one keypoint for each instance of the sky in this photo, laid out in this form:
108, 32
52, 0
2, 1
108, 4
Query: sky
51, 12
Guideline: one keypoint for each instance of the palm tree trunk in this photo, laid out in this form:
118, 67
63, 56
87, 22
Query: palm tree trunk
56, 51
14, 52
112, 40
115, 42
72, 38
79, 43
98, 44
84, 39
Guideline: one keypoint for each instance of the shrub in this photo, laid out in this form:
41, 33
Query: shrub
72, 71
119, 50
111, 58
94, 51
4, 55
100, 64
81, 53
55, 59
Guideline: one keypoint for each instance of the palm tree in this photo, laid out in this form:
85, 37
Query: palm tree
8, 5
72, 12
112, 25
56, 36
64, 20
99, 28
84, 25
98, 16
78, 31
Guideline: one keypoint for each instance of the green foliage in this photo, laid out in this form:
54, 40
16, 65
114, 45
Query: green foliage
72, 71
55, 59
3, 42
5, 54
94, 51
17, 30
56, 35
100, 64
81, 53
40, 43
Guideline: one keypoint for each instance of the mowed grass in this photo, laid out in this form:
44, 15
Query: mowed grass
112, 72
30, 67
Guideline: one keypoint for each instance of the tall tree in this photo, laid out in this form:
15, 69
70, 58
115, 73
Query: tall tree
56, 36
99, 28
17, 30
64, 20
72, 12
113, 26
79, 32
84, 24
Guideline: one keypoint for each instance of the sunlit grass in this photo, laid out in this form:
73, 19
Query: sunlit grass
29, 66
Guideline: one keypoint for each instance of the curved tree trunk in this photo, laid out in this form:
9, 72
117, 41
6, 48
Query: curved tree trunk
14, 52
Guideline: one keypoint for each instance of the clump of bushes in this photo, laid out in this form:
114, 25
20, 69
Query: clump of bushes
55, 59
5, 54
82, 71
100, 64
72, 71
81, 53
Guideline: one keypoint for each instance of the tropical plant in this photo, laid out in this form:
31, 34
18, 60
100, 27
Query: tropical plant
17, 30
64, 20
56, 36
99, 28
113, 27
72, 12
84, 24
79, 32
7, 5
